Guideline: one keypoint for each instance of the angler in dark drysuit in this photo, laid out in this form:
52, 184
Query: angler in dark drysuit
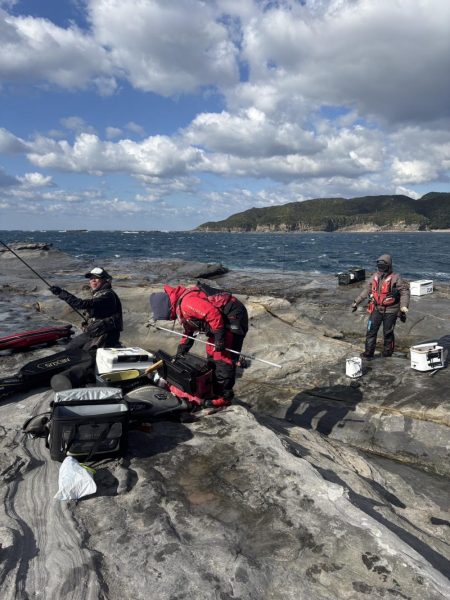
388, 296
221, 316
102, 329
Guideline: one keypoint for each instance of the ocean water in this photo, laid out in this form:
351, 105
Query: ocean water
424, 255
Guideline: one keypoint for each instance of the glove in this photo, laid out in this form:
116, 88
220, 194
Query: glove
354, 307
219, 346
55, 289
95, 329
243, 363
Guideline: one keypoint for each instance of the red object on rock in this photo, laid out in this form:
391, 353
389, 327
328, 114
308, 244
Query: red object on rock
26, 339
196, 401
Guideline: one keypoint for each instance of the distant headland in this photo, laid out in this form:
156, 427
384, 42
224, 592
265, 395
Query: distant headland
363, 214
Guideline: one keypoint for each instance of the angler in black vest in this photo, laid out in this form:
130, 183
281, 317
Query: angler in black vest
103, 326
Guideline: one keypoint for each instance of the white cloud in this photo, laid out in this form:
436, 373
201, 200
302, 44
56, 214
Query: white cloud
407, 192
135, 128
28, 195
285, 152
157, 188
412, 171
337, 97
56, 133
388, 59
356, 53
250, 133
420, 155
37, 50
11, 144
36, 180
346, 152
113, 132
157, 156
164, 47
77, 124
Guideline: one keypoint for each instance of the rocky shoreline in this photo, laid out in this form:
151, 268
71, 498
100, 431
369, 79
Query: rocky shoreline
312, 485
370, 228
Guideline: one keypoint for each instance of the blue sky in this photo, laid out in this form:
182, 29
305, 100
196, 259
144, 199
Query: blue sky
164, 114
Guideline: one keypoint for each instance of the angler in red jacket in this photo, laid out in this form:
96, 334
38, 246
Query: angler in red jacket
388, 296
221, 316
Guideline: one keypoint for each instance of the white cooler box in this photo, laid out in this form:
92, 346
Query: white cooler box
121, 359
427, 357
421, 287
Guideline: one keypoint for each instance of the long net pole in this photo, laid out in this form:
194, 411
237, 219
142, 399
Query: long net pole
250, 356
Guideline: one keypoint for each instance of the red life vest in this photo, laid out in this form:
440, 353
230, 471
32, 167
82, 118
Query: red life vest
387, 295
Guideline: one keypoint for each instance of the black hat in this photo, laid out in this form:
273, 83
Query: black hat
99, 273
160, 305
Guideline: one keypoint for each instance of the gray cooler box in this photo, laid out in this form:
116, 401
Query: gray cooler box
87, 423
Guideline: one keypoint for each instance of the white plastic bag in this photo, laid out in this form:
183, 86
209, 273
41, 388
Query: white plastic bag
74, 481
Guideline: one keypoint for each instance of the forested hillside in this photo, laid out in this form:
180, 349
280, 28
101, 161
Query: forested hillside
397, 212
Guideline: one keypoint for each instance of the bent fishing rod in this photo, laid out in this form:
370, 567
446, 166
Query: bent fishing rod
36, 273
190, 337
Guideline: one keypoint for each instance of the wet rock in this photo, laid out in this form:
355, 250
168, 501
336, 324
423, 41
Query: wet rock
26, 246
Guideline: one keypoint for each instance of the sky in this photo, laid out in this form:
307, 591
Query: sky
165, 114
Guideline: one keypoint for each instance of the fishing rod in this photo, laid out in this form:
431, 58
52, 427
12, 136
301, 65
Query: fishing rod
36, 273
251, 356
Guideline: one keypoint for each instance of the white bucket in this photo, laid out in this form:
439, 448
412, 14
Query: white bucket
353, 367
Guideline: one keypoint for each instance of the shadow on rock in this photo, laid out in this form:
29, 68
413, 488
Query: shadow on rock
162, 437
373, 508
321, 408
114, 478
107, 483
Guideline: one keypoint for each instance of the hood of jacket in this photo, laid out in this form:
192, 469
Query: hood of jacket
387, 258
174, 294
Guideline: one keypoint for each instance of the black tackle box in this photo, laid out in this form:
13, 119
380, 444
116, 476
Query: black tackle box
189, 373
351, 276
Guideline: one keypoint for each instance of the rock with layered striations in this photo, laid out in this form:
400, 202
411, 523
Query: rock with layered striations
291, 493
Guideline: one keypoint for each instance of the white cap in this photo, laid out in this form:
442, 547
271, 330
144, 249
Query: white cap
98, 272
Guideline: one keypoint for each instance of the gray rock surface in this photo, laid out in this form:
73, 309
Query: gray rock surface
311, 486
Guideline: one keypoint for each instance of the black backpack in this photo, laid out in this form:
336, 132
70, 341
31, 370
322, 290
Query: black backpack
235, 313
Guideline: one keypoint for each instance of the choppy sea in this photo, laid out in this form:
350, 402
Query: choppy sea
416, 255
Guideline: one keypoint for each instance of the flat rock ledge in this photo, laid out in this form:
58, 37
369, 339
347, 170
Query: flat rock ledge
311, 486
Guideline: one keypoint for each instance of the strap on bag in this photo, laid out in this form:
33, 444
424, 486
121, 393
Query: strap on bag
95, 447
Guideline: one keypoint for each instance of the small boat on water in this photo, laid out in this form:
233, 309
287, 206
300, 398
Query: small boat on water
27, 339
